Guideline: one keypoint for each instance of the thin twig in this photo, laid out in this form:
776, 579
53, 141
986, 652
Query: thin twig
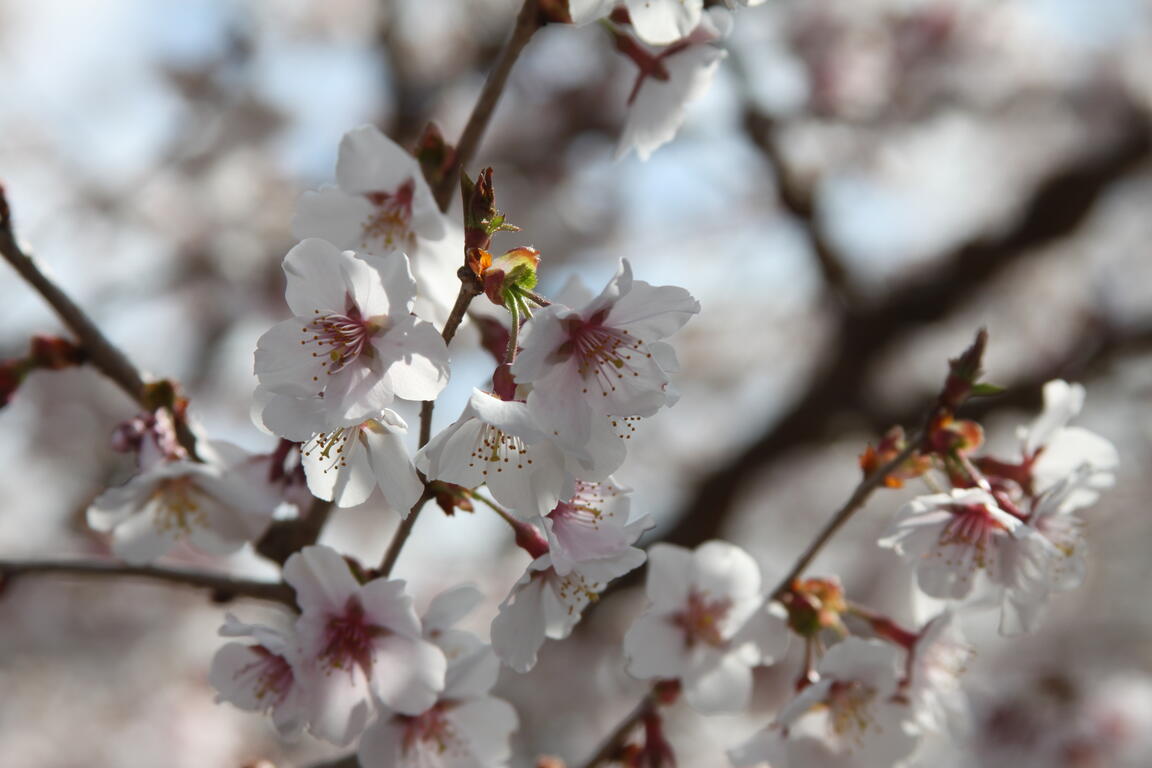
527, 22
101, 352
223, 587
616, 740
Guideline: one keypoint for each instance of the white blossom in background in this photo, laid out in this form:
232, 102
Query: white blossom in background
260, 676
466, 727
937, 660
660, 22
547, 604
352, 346
345, 465
498, 443
952, 538
359, 644
605, 359
706, 624
211, 505
850, 718
658, 105
1053, 450
381, 204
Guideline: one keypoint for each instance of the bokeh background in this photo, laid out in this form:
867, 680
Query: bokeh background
863, 185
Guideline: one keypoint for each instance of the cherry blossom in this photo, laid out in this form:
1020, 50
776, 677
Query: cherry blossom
706, 624
466, 727
936, 661
605, 359
850, 718
209, 504
545, 603
351, 347
359, 643
1053, 450
498, 443
382, 203
659, 102
660, 22
261, 676
346, 464
593, 524
950, 538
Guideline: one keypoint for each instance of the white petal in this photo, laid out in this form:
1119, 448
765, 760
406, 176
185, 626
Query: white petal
333, 215
418, 359
319, 277
407, 673
321, 579
652, 312
450, 606
726, 687
660, 22
393, 469
369, 161
660, 106
655, 647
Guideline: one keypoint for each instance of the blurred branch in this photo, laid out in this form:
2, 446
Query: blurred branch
223, 588
284, 537
1055, 210
101, 352
796, 196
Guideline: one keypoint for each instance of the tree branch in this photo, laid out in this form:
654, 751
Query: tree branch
223, 588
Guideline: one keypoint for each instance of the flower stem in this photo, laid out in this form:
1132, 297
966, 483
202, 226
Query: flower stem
223, 587
527, 22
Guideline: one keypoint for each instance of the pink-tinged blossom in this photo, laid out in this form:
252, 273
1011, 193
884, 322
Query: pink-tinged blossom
359, 643
658, 104
951, 538
466, 727
545, 604
347, 463
260, 676
706, 624
498, 443
351, 347
850, 718
381, 203
591, 525
605, 359
210, 505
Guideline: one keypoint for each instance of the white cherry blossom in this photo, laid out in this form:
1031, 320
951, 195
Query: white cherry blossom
850, 718
706, 624
359, 643
547, 604
591, 525
660, 22
657, 106
260, 676
1053, 450
346, 464
210, 505
466, 727
381, 204
352, 346
498, 443
605, 359
952, 538
937, 660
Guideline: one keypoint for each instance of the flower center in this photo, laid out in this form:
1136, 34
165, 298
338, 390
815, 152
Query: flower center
972, 527
350, 639
604, 355
849, 713
431, 728
702, 620
341, 338
494, 448
392, 215
270, 676
332, 447
178, 508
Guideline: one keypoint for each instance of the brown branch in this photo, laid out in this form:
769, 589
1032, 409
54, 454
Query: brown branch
223, 588
527, 22
102, 353
612, 745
